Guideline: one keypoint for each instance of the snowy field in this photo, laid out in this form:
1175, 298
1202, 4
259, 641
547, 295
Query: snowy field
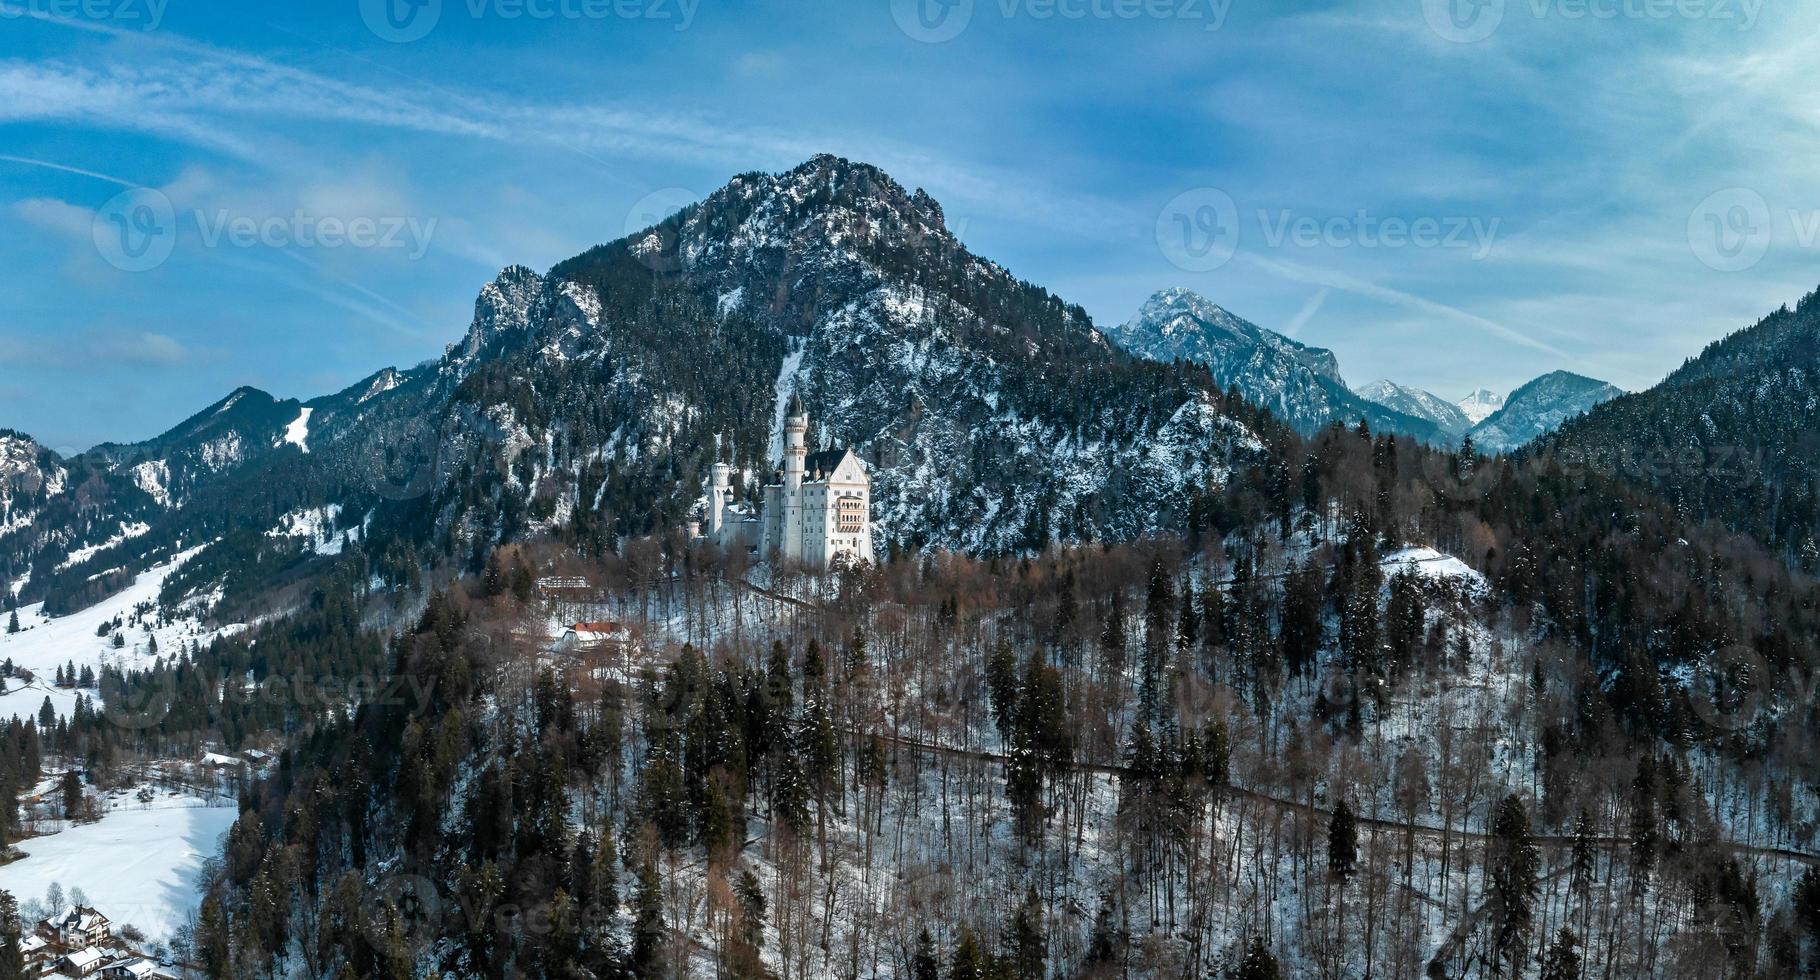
139, 864
42, 645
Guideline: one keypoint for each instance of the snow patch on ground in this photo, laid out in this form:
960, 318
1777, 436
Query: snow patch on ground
1432, 565
314, 524
154, 477
786, 383
139, 864
298, 432
127, 533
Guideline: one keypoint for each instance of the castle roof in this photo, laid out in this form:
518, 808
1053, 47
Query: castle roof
796, 405
824, 461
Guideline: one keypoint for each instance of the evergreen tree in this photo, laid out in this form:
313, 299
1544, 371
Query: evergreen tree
1583, 855
1342, 843
12, 621
1001, 687
1806, 901
1027, 949
12, 960
648, 931
969, 961
1643, 829
1562, 961
1514, 867
923, 965
1257, 963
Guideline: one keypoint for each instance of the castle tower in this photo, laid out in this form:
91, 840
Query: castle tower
718, 493
796, 452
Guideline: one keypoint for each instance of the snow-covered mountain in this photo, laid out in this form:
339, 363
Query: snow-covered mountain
589, 401
1422, 404
1299, 384
1478, 406
994, 417
1180, 324
1540, 407
29, 474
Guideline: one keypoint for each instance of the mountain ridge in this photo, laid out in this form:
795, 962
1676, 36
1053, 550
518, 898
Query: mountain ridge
1297, 383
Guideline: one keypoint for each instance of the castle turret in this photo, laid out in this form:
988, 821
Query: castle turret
796, 452
718, 491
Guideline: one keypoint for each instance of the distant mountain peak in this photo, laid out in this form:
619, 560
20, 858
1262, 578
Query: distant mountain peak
1422, 404
1181, 324
1299, 384
1479, 405
1539, 407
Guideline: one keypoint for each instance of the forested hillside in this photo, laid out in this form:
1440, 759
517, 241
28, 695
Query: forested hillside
1279, 738
1731, 436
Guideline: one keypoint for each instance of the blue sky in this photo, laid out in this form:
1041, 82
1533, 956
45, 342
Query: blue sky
1449, 193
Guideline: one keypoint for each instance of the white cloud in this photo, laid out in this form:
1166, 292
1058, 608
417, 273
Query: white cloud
56, 216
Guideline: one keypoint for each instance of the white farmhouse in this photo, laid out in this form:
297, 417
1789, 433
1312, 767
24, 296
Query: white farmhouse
816, 510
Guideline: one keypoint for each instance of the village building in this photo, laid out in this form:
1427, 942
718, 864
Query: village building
588, 636
78, 927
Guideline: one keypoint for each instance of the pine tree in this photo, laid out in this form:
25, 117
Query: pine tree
923, 965
12, 960
969, 962
1001, 688
1342, 843
72, 795
1806, 901
1583, 855
1562, 961
1257, 963
1643, 832
12, 621
1027, 950
1514, 868
648, 932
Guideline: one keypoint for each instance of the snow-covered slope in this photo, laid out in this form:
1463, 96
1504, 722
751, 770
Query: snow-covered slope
86, 639
1422, 404
141, 863
1540, 407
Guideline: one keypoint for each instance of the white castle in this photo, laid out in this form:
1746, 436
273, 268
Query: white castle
817, 508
